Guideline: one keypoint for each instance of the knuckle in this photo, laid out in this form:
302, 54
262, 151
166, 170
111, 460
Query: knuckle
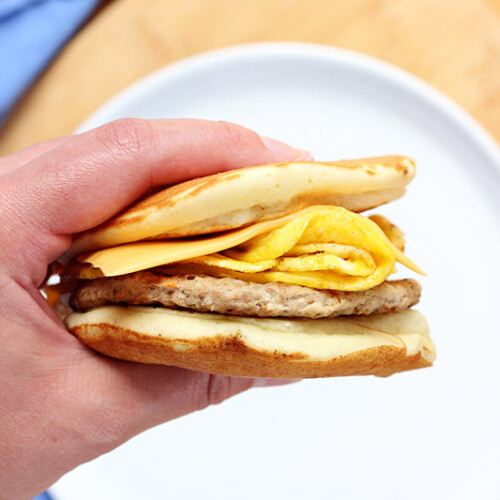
105, 417
106, 433
128, 136
236, 137
213, 390
109, 426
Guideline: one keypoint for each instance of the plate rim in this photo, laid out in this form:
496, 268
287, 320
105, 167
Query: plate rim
324, 53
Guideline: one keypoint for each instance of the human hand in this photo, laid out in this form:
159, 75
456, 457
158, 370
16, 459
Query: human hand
62, 404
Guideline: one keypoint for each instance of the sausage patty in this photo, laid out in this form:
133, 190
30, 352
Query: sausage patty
233, 296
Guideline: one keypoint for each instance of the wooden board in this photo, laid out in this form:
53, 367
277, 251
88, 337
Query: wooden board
454, 45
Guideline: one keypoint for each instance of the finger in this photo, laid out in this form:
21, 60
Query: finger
88, 178
136, 397
282, 149
104, 170
20, 158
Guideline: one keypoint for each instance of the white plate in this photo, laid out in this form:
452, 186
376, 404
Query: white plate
431, 433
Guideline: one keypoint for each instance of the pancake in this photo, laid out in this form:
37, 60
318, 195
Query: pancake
255, 347
242, 197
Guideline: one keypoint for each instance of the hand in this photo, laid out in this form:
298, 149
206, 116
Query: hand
61, 404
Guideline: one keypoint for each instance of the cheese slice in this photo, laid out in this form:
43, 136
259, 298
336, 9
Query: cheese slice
320, 246
132, 257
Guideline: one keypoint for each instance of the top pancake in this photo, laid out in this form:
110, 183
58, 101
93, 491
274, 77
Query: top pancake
241, 197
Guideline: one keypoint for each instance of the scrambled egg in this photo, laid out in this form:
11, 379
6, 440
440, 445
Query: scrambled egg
319, 247
326, 247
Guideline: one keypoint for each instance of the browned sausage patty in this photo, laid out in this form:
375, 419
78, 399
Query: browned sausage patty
233, 296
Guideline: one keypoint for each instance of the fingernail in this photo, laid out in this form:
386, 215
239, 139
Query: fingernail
284, 151
269, 382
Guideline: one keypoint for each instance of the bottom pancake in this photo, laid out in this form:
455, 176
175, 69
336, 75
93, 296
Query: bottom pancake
258, 347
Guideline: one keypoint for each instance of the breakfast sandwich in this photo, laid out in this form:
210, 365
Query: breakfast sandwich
267, 271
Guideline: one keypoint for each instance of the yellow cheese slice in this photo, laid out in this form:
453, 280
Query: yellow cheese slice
312, 228
132, 257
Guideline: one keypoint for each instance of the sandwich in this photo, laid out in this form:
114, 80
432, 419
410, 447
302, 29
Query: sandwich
267, 271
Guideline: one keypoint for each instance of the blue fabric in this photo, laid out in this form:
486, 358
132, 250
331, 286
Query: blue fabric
43, 496
31, 34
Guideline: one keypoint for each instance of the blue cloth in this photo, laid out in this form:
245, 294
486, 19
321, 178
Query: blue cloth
31, 34
43, 496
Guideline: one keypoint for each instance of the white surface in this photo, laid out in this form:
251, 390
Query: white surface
431, 433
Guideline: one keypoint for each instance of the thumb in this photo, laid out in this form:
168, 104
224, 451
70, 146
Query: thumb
88, 178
